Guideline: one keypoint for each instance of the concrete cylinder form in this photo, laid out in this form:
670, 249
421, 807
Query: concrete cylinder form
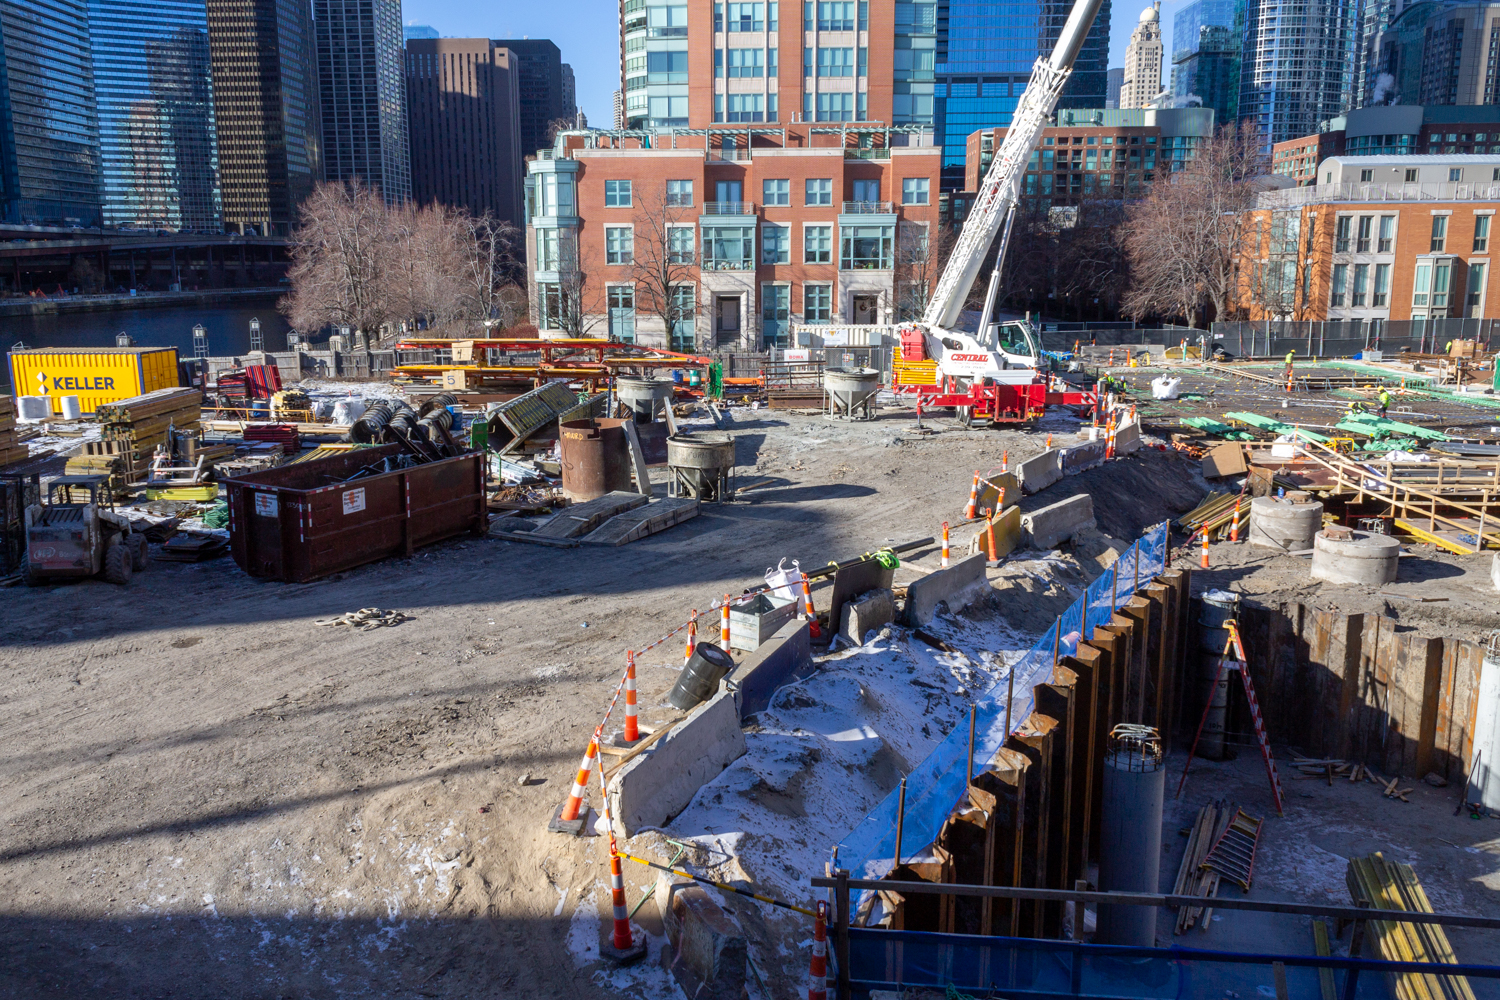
852, 391
1284, 525
1218, 608
700, 464
1346, 556
1130, 846
644, 397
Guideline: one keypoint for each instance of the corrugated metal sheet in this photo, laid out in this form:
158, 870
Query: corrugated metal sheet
96, 375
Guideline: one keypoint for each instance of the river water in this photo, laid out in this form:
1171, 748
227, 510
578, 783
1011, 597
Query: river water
228, 328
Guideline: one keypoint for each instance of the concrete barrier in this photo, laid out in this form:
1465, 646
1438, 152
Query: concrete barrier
869, 611
989, 490
785, 658
706, 948
1074, 458
1056, 523
659, 784
1007, 534
1128, 439
1039, 472
958, 586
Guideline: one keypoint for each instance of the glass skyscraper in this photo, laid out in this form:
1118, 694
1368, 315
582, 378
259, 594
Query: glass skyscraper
1297, 64
985, 53
152, 82
49, 129
1206, 57
362, 94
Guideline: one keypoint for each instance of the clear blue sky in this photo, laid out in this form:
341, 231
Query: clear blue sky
587, 32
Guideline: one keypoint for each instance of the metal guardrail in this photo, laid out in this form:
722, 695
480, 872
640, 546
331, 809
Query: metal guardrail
869, 207
1325, 193
729, 208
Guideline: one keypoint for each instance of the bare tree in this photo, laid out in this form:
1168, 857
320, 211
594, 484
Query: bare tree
491, 262
662, 263
338, 255
921, 254
569, 303
1185, 241
424, 266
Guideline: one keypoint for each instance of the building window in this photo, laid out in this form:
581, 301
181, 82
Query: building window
621, 299
547, 250
1361, 279
1455, 174
1341, 234
817, 303
776, 192
679, 244
746, 62
1439, 233
682, 311
746, 17
775, 244
1411, 176
1387, 233
746, 108
835, 107
1476, 288
550, 312
616, 194
1381, 296
775, 314
915, 190
1365, 176
666, 67
835, 62
1421, 285
1362, 242
1481, 233
1336, 289
669, 22
836, 16
619, 244
680, 194
667, 111
555, 195
819, 191
1440, 274
729, 248
865, 248
867, 191
817, 244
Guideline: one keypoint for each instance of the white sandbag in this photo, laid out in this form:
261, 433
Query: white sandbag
322, 409
71, 408
346, 411
30, 409
786, 583
1163, 387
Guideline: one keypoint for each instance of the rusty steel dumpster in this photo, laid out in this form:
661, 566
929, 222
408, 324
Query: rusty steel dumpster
304, 521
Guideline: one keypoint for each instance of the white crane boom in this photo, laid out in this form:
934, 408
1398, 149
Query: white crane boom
1001, 189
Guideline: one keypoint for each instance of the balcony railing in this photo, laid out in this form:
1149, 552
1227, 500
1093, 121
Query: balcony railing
869, 207
881, 153
1322, 194
729, 155
729, 208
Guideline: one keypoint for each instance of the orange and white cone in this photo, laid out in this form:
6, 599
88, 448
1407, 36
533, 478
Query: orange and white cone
621, 940
990, 534
807, 608
581, 782
632, 724
945, 545
817, 988
1005, 460
1234, 526
692, 639
724, 625
1204, 562
971, 512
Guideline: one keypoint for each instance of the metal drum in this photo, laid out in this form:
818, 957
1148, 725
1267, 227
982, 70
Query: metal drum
595, 458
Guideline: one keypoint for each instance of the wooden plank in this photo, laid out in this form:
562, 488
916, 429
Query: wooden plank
579, 519
532, 538
1320, 945
648, 519
638, 459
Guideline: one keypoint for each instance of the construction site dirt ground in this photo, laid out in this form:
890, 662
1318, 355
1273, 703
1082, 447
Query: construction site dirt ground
207, 794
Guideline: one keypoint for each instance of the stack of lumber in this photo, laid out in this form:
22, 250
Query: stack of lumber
11, 449
1192, 878
1216, 515
132, 429
1391, 885
1332, 767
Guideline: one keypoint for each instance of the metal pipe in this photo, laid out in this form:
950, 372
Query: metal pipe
900, 819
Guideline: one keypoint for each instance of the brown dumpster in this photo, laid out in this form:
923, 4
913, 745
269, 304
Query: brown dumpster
304, 521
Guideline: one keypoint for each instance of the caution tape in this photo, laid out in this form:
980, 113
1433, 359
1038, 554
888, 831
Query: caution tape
717, 885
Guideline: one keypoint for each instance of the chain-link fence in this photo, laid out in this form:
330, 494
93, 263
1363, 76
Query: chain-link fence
1345, 338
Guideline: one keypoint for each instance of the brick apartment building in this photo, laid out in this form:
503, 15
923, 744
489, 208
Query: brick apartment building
1098, 153
1379, 239
728, 238
1390, 130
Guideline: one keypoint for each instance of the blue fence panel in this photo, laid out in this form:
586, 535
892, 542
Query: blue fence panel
933, 787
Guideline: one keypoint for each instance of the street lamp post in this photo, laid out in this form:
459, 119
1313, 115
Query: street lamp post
200, 341
257, 341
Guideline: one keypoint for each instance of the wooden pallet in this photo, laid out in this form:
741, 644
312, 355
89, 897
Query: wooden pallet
639, 522
579, 519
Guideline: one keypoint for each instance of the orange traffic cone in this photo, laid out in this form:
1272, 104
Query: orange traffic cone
724, 626
945, 545
807, 608
1204, 562
632, 725
567, 820
970, 512
817, 989
692, 639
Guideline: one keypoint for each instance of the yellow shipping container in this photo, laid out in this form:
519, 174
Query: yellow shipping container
96, 375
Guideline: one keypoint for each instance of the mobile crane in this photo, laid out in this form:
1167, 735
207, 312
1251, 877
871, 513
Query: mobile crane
992, 374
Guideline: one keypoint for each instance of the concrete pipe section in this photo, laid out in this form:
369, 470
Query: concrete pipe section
1130, 847
1287, 525
1343, 555
852, 391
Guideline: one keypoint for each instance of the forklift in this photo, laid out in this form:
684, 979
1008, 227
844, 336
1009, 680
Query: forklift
68, 536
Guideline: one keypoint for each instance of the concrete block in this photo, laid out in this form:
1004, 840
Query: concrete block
989, 490
659, 784
706, 948
1128, 439
1056, 523
958, 586
1039, 472
866, 613
1007, 534
1073, 459
785, 658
